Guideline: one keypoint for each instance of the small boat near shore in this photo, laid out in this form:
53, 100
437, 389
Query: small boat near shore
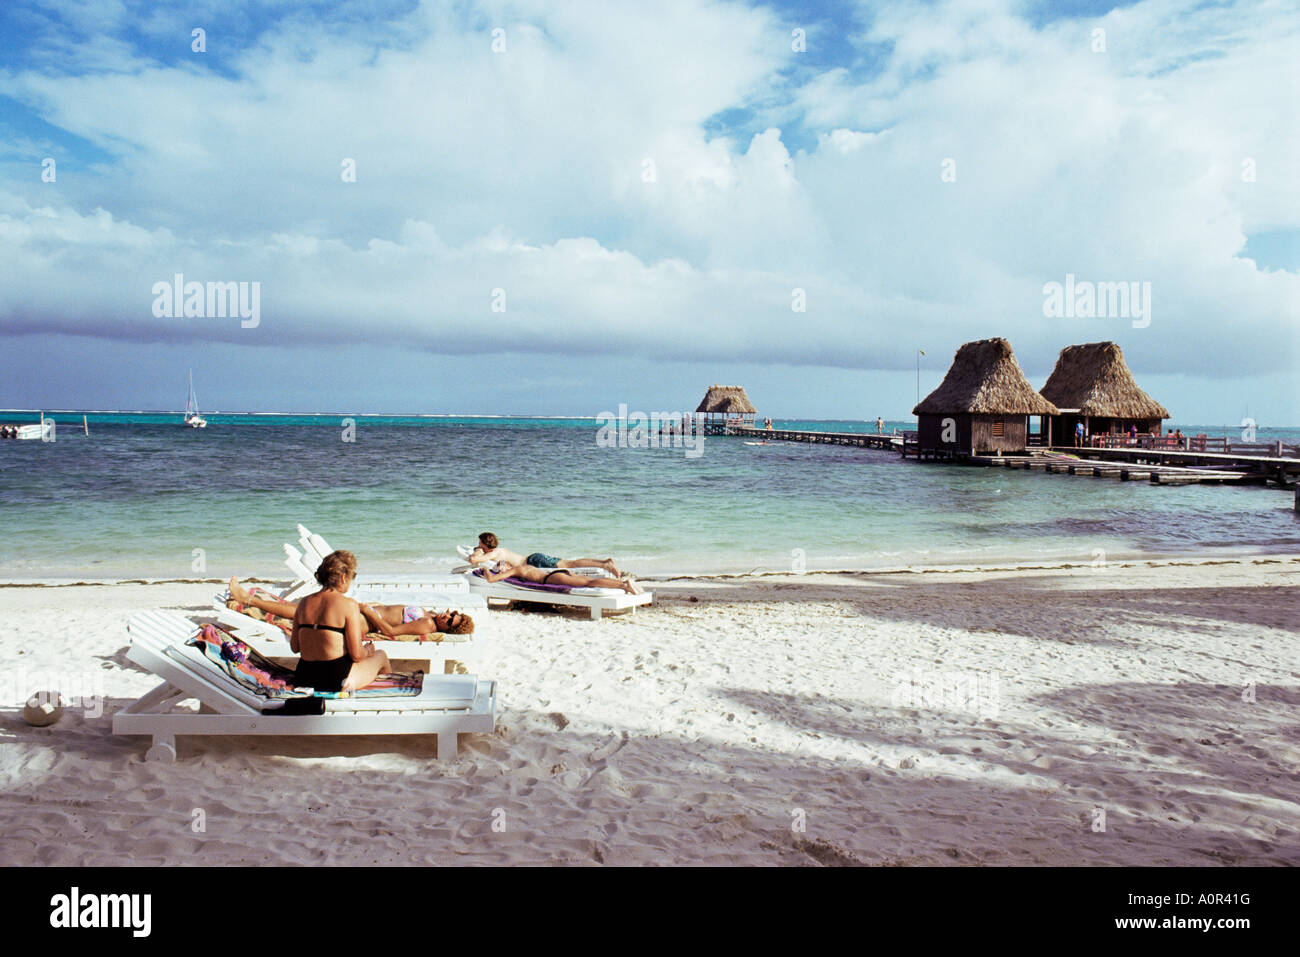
32, 431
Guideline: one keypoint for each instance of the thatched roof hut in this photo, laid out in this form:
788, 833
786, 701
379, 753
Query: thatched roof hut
985, 379
726, 400
1095, 381
982, 406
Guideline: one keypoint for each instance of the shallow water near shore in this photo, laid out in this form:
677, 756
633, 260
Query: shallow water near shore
153, 499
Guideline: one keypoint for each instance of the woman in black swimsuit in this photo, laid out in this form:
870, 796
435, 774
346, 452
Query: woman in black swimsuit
329, 633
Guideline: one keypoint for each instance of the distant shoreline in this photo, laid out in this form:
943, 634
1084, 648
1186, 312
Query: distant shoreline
329, 415
909, 421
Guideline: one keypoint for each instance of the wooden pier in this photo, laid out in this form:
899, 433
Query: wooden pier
1061, 463
1158, 466
1282, 467
869, 440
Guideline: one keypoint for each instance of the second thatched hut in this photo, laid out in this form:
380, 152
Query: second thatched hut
983, 404
1092, 384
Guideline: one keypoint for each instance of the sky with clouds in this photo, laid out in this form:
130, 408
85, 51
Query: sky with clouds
648, 190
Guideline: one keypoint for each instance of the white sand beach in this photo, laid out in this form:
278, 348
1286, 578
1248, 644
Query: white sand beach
977, 717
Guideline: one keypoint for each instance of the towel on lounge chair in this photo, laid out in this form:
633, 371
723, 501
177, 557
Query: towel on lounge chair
249, 668
266, 679
542, 586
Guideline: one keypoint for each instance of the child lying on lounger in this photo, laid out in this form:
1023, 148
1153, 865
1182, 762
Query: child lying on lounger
389, 620
559, 577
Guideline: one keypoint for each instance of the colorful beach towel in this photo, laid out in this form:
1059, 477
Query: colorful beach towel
265, 678
245, 665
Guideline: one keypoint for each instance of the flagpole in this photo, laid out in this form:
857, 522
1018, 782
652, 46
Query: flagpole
919, 353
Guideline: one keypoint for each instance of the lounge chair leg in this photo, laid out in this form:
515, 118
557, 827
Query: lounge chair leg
163, 749
447, 744
595, 614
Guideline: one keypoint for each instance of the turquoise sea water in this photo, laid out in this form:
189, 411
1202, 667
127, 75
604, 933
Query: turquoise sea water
142, 496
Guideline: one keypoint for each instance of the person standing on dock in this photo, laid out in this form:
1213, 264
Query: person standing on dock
880, 425
1078, 435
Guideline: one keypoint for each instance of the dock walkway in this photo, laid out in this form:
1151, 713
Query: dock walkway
870, 440
1157, 466
1284, 468
1060, 463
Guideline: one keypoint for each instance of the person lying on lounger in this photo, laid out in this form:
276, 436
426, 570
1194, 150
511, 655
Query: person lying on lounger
490, 550
329, 633
389, 620
557, 576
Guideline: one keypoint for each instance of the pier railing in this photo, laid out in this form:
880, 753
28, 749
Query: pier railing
1192, 443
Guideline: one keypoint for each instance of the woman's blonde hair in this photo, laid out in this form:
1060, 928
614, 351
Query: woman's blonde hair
334, 567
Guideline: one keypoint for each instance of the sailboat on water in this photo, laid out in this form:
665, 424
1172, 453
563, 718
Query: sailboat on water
192, 417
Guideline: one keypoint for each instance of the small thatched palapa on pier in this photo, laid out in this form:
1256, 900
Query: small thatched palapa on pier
1092, 384
983, 404
724, 406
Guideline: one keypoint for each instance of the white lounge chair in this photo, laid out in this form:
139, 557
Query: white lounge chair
597, 600
444, 591
448, 591
431, 588
443, 656
303, 581
446, 706
315, 548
